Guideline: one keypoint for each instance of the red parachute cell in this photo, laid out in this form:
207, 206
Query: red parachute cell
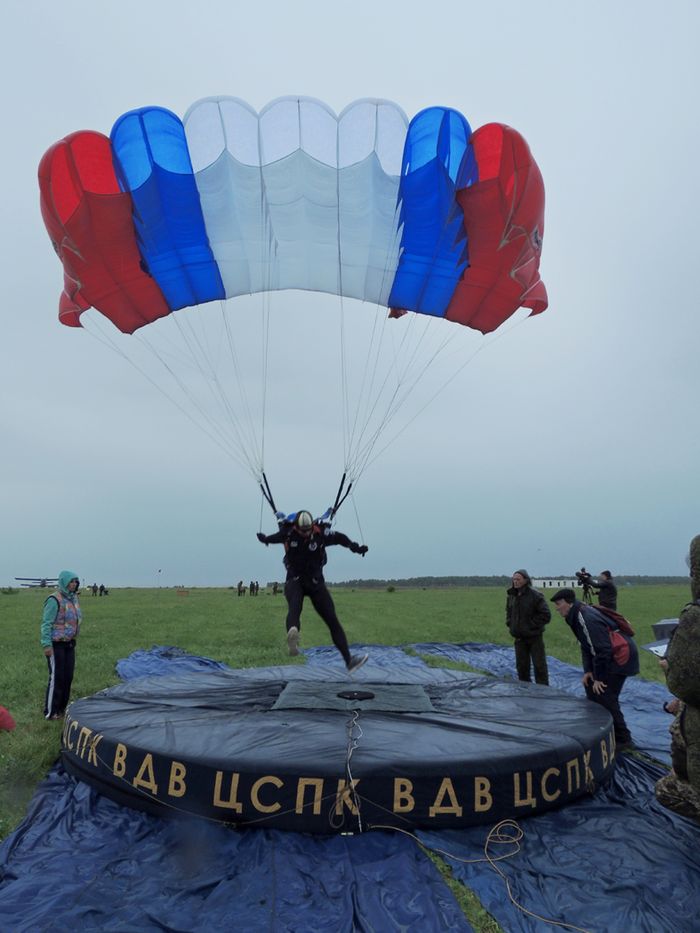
504, 220
90, 224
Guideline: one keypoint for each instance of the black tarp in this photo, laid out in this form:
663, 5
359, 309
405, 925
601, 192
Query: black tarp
641, 700
250, 748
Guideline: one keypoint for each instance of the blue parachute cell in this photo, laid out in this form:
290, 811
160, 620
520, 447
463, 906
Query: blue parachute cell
438, 160
152, 162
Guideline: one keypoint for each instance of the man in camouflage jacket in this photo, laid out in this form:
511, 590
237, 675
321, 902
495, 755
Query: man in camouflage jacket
680, 790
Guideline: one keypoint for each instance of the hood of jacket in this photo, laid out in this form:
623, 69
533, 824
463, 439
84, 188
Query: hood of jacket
64, 578
695, 567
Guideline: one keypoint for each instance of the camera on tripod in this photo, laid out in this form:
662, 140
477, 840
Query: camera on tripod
585, 579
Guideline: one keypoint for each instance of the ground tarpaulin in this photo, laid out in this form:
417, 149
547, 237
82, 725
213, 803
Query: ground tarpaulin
614, 862
80, 861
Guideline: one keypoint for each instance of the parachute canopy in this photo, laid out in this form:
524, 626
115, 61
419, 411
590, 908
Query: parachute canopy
422, 216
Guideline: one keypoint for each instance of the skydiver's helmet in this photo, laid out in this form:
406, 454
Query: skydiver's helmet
304, 522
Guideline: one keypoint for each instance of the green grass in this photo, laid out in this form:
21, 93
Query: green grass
249, 632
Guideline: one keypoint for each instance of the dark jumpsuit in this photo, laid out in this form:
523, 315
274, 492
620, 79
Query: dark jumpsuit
305, 557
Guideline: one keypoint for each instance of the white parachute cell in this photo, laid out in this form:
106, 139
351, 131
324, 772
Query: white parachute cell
297, 197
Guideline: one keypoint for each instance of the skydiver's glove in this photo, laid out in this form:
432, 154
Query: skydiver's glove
359, 549
262, 538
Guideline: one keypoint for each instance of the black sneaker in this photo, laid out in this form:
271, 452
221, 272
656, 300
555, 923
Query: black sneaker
293, 641
356, 662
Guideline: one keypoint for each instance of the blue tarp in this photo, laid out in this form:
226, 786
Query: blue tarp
80, 861
164, 659
614, 862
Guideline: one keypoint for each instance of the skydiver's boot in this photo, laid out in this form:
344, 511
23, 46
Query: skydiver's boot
293, 641
356, 662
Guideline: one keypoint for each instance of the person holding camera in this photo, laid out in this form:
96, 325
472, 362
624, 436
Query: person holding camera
604, 588
527, 613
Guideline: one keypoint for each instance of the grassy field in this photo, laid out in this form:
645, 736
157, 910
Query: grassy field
247, 632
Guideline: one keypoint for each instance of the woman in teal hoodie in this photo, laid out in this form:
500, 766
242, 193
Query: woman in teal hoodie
60, 625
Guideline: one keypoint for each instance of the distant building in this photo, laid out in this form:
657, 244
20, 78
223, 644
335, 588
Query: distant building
555, 583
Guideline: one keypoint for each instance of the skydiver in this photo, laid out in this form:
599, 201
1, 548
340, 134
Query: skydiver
305, 543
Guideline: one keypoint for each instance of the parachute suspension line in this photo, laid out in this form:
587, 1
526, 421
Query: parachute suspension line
357, 517
365, 409
344, 392
267, 250
361, 445
397, 401
378, 393
444, 385
372, 406
255, 444
200, 353
103, 338
260, 518
366, 389
357, 416
402, 391
212, 379
265, 350
236, 450
362, 451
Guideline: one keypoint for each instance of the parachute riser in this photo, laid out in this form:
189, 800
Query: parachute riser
267, 493
340, 496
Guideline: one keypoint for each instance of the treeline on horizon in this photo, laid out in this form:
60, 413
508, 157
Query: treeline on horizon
437, 582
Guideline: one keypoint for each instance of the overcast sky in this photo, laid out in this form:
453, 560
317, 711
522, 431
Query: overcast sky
570, 439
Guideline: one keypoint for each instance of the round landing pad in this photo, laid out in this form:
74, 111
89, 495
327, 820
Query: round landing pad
299, 748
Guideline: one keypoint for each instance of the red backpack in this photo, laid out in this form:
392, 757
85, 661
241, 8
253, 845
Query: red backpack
621, 621
620, 646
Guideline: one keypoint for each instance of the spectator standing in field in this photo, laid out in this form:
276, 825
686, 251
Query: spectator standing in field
680, 790
606, 590
60, 626
305, 543
527, 613
603, 674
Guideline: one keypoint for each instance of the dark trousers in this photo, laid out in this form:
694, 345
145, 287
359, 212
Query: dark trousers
610, 699
531, 651
61, 666
295, 589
